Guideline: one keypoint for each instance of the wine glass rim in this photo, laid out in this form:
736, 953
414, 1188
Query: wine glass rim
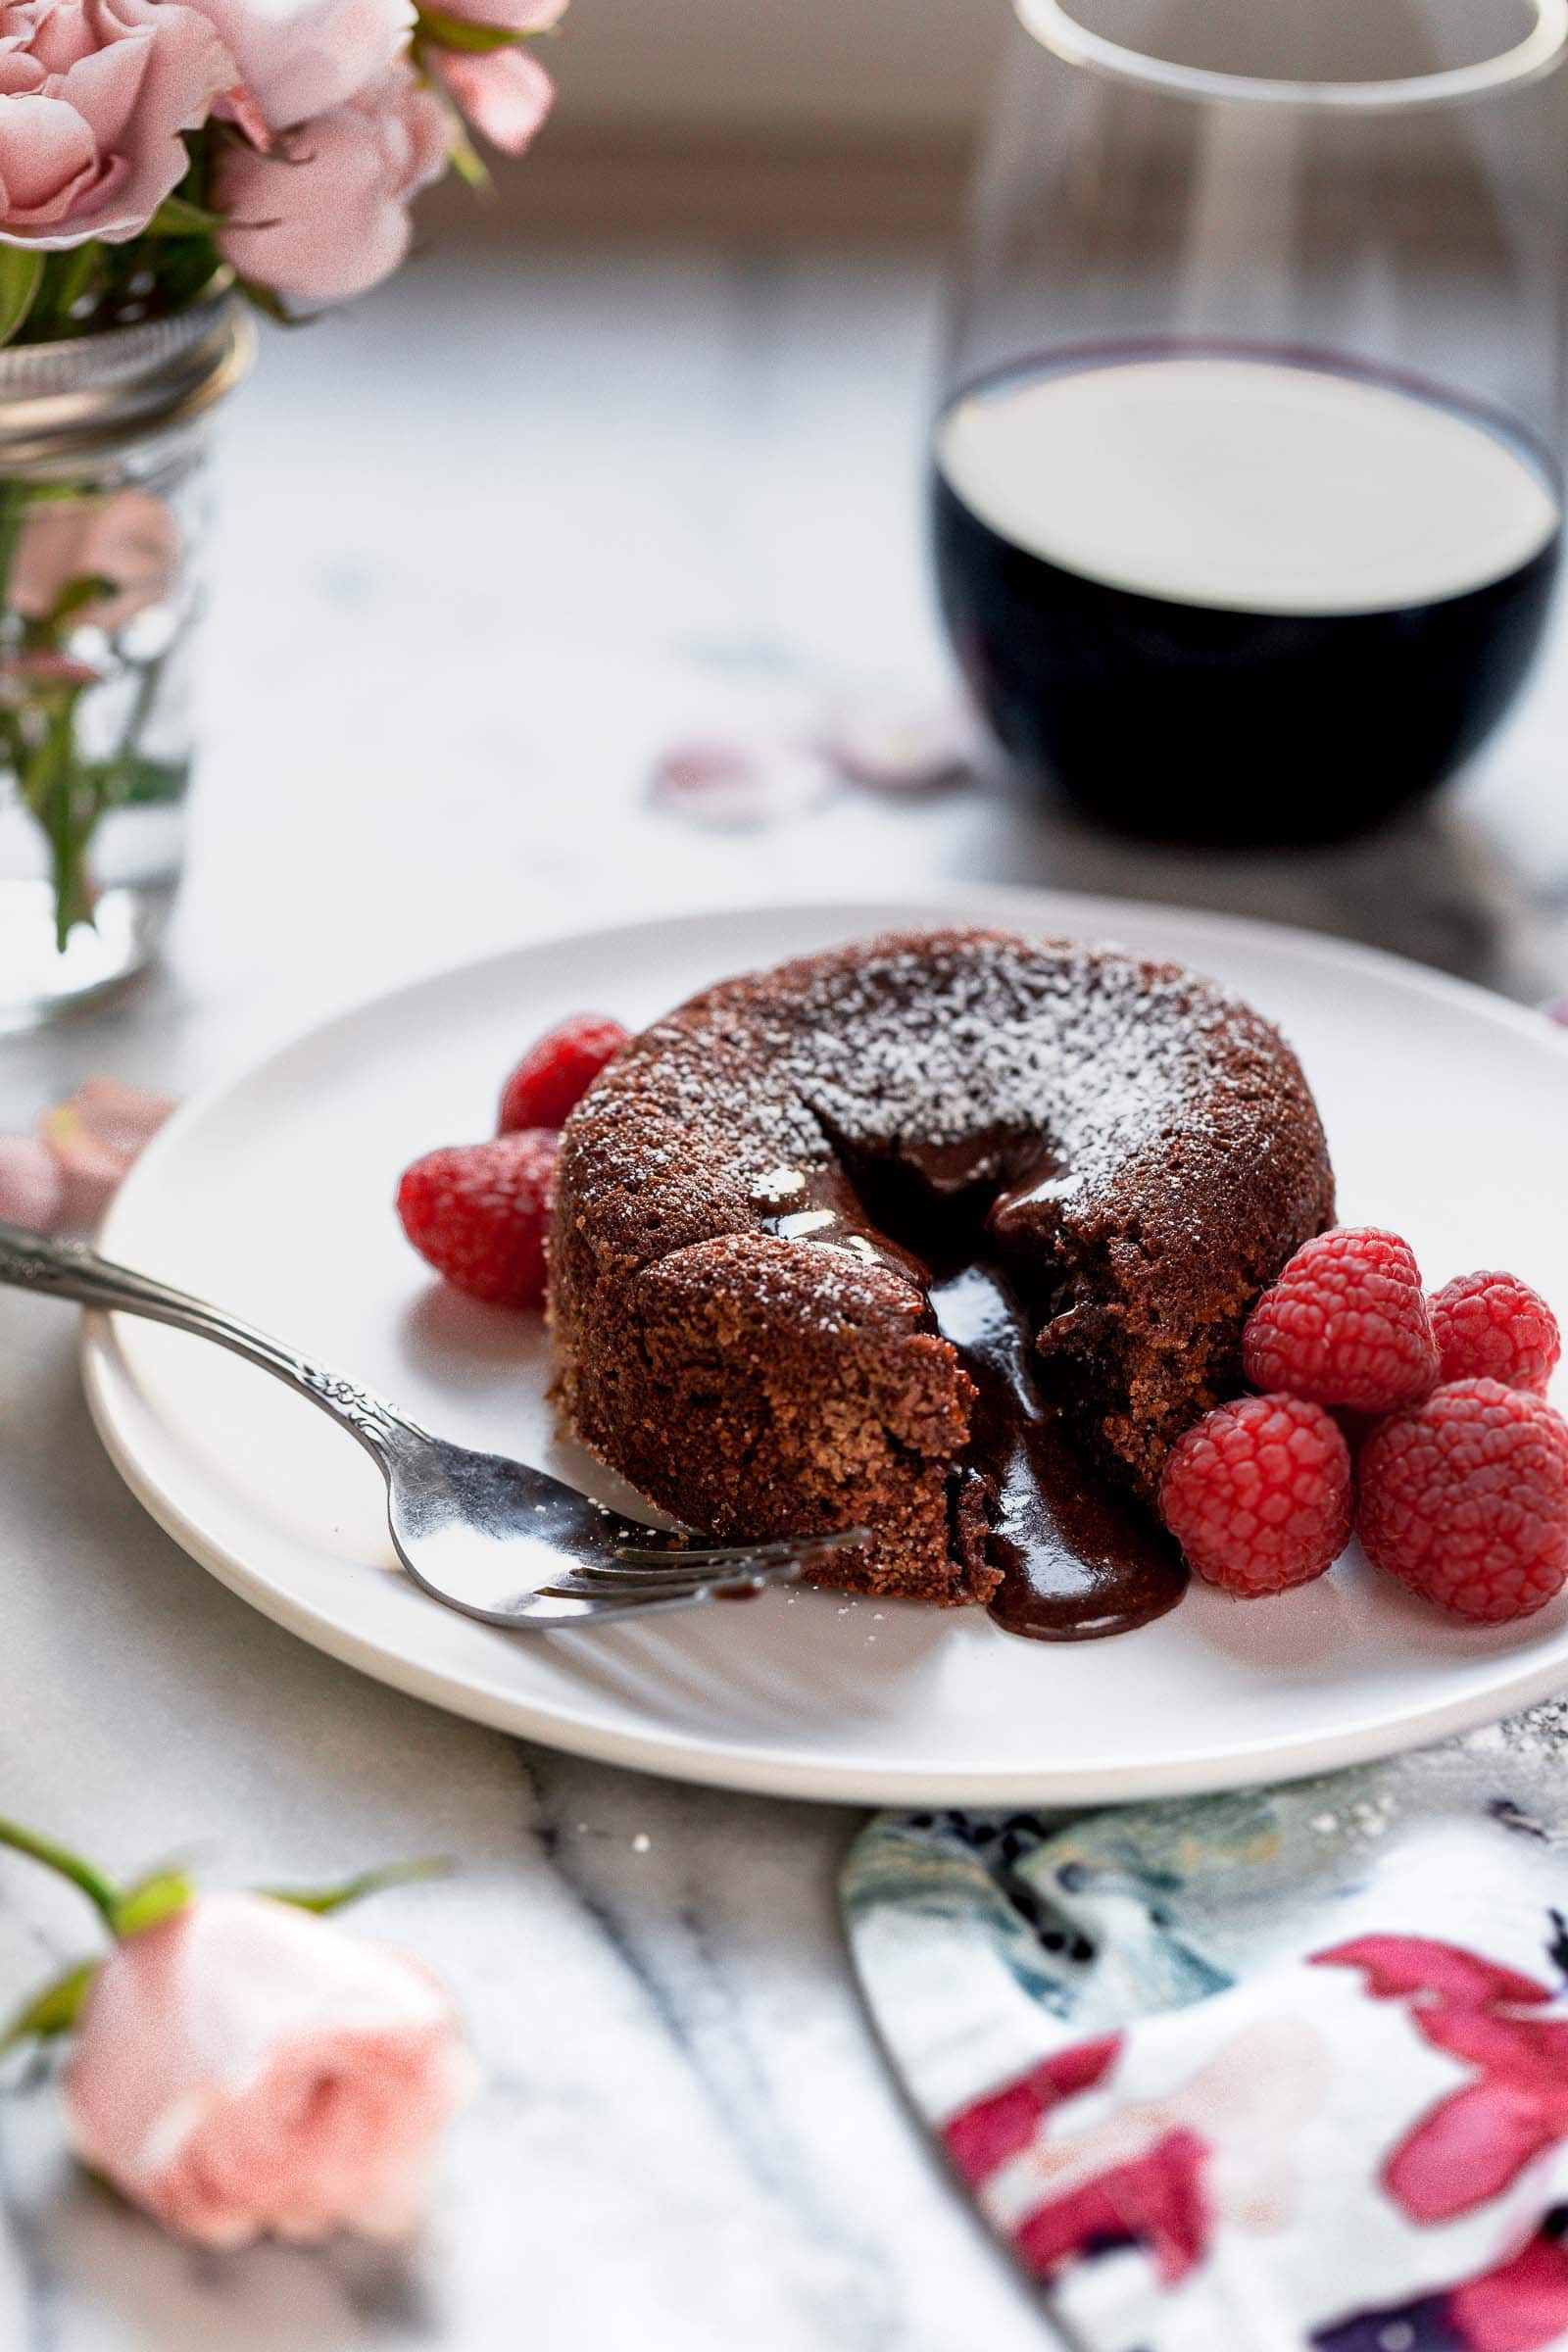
1053, 23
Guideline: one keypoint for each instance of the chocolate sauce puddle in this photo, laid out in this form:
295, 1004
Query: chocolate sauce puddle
1079, 1560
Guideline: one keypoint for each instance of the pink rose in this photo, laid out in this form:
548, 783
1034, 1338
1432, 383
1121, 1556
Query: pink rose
93, 96
244, 2067
504, 93
326, 216
128, 537
298, 58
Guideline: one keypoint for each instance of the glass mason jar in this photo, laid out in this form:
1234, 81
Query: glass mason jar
1247, 487
103, 513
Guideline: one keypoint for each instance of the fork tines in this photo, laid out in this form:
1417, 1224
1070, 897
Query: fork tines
760, 1558
625, 1580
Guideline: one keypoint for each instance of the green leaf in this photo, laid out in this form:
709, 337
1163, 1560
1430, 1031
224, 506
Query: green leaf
451, 32
156, 1899
469, 164
324, 1899
53, 2011
177, 217
68, 279
99, 1891
21, 269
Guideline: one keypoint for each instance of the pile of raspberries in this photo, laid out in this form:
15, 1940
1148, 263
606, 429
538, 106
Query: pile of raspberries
479, 1213
1420, 1422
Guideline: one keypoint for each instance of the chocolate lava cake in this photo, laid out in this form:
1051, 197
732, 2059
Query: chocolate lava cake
757, 1201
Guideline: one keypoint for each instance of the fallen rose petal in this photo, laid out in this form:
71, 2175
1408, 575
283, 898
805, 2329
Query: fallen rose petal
1556, 1010
732, 782
891, 748
95, 1139
33, 1189
90, 1171
126, 1117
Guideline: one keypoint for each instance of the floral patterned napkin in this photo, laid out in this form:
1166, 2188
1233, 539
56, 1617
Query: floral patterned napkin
1277, 2072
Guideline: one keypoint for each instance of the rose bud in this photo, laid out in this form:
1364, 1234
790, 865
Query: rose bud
326, 216
244, 2067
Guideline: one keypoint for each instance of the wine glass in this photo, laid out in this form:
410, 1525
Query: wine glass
1247, 501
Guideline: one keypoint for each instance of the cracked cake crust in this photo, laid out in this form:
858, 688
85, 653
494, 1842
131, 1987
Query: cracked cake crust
1150, 1154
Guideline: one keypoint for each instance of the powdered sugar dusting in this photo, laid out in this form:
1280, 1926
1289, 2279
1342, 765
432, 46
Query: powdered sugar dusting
932, 1042
1084, 1045
928, 1040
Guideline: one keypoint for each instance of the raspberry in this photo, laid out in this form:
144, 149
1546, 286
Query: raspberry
1258, 1493
1346, 1323
1465, 1500
477, 1212
553, 1076
1495, 1327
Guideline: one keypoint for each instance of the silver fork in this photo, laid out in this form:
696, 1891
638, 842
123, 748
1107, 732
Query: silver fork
485, 1536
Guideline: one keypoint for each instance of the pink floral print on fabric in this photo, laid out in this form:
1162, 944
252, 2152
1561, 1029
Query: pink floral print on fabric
1475, 2144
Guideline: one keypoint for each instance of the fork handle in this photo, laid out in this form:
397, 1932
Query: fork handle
32, 1262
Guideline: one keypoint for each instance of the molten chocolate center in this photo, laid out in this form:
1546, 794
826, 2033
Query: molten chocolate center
1079, 1560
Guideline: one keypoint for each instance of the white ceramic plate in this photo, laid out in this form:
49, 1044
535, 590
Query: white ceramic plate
1448, 1111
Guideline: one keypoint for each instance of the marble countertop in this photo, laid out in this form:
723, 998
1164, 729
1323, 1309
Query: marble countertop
489, 544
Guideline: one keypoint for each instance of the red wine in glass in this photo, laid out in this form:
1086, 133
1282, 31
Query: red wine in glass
1246, 486
1223, 595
